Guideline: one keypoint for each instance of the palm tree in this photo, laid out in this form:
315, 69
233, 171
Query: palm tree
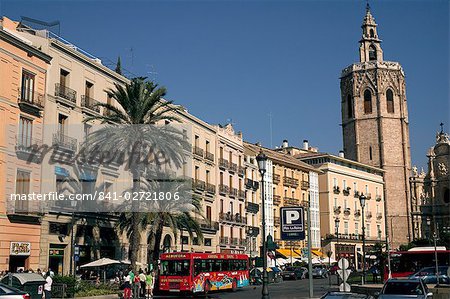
126, 131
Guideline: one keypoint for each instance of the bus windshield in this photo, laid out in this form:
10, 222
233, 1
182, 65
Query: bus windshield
175, 268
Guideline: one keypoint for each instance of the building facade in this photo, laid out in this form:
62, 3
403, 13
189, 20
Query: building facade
23, 73
341, 183
375, 123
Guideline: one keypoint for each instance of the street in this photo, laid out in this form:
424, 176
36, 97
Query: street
295, 289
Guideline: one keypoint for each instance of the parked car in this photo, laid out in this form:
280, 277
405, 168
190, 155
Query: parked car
294, 273
319, 271
345, 295
395, 288
428, 275
7, 292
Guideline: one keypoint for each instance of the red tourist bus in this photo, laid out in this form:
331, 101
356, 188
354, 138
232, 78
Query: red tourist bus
405, 263
202, 272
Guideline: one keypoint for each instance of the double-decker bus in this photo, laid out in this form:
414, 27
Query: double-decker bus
405, 263
203, 272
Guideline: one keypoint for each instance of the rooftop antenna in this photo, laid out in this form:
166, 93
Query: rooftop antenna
151, 72
270, 129
39, 25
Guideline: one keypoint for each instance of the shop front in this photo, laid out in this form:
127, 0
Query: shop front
56, 258
19, 256
346, 251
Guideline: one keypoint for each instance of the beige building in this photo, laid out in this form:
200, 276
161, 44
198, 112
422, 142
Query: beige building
341, 183
375, 124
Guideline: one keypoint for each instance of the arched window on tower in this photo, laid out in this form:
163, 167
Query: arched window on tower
372, 53
349, 106
367, 102
372, 33
390, 101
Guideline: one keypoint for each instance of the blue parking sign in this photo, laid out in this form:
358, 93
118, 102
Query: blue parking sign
292, 223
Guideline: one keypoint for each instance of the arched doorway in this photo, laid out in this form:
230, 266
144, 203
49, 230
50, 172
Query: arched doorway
167, 243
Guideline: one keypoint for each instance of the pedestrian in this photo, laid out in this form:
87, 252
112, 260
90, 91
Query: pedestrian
142, 279
136, 286
150, 283
48, 285
127, 287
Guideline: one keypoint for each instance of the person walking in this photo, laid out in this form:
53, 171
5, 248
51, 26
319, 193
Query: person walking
150, 283
127, 287
48, 285
142, 281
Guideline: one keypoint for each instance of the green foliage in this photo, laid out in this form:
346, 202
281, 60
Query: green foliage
87, 289
70, 283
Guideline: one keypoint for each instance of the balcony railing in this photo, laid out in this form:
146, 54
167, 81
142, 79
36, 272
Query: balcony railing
347, 212
337, 210
276, 220
336, 190
252, 207
65, 93
65, 142
232, 218
90, 104
232, 167
368, 195
248, 183
197, 151
198, 185
241, 171
223, 163
31, 97
378, 197
208, 224
27, 143
209, 156
357, 213
276, 200
368, 214
210, 188
243, 242
233, 192
224, 240
346, 191
223, 189
276, 178
252, 231
234, 241
305, 185
289, 201
287, 181
255, 185
379, 216
241, 194
356, 194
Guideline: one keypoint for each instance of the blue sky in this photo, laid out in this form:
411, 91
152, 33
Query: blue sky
242, 60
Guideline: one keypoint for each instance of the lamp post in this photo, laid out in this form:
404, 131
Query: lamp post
435, 249
336, 227
261, 158
73, 261
329, 253
362, 201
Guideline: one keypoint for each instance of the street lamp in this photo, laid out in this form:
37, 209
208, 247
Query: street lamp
73, 270
336, 227
362, 201
329, 253
435, 249
261, 158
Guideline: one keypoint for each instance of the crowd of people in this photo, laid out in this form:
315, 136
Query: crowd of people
138, 284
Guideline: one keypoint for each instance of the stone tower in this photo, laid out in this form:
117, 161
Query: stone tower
375, 125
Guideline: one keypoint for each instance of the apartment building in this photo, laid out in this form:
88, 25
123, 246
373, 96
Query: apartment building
23, 75
341, 183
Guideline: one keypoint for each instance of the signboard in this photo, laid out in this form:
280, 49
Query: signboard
20, 248
292, 223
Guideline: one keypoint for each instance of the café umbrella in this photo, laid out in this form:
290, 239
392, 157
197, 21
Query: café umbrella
103, 262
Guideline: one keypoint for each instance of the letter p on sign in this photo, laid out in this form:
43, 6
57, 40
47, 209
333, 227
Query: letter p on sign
292, 216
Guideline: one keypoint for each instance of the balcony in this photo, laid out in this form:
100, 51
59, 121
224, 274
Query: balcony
252, 207
210, 188
209, 156
27, 147
223, 189
276, 220
368, 195
233, 192
198, 152
356, 194
31, 101
64, 142
290, 182
357, 213
68, 95
232, 218
289, 201
255, 185
234, 241
337, 210
378, 198
224, 240
243, 242
232, 167
336, 190
241, 171
209, 225
379, 216
347, 212
305, 185
198, 185
248, 184
276, 178
252, 231
241, 194
223, 163
346, 191
89, 105
368, 214
276, 200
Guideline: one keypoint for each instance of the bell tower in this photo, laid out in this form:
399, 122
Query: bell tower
375, 125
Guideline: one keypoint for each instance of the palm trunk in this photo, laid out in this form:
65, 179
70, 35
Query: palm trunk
135, 238
157, 244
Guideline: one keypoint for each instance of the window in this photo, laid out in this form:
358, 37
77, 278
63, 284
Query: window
63, 78
87, 130
221, 206
25, 132
345, 227
207, 146
208, 177
196, 141
367, 102
370, 153
56, 228
335, 203
335, 182
22, 187
60, 183
345, 204
208, 213
367, 189
372, 53
62, 124
88, 91
196, 172
349, 106
378, 231
184, 240
344, 184
367, 230
356, 228
27, 91
372, 33
195, 241
390, 101
207, 242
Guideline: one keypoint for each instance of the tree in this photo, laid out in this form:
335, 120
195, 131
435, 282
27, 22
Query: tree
131, 130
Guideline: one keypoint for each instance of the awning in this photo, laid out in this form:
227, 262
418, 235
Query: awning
287, 253
317, 253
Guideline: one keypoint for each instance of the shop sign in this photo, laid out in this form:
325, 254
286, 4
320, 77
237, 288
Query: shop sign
56, 252
20, 248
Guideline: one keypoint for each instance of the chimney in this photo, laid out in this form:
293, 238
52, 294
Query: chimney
305, 145
258, 143
285, 143
341, 154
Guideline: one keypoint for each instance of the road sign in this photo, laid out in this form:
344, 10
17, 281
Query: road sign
76, 250
292, 223
343, 264
344, 287
344, 274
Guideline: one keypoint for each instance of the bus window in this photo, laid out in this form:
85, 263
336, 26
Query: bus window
217, 266
175, 268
